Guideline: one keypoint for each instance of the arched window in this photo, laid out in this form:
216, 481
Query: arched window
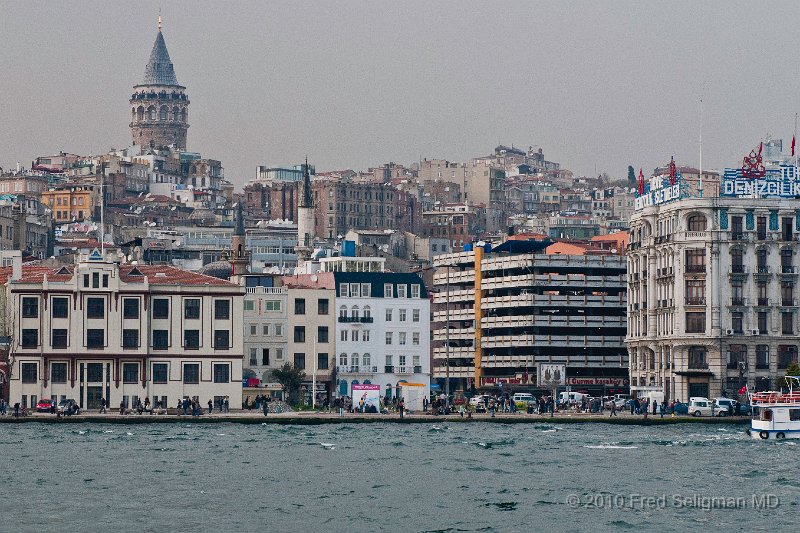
162, 113
151, 113
342, 359
354, 362
133, 114
388, 391
367, 311
354, 382
342, 387
354, 312
696, 223
140, 113
176, 114
366, 360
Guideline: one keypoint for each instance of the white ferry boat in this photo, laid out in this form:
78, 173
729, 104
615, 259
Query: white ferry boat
776, 414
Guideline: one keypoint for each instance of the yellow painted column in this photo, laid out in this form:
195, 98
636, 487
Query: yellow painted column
478, 314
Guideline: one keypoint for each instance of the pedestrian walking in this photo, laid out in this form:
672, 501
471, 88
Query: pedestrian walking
661, 409
122, 407
613, 408
102, 405
210, 406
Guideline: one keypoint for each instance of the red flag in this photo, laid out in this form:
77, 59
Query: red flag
641, 182
743, 390
792, 145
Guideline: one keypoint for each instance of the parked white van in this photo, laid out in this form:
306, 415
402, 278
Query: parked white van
700, 407
523, 397
571, 397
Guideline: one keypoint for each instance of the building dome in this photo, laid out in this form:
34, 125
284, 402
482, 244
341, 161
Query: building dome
217, 269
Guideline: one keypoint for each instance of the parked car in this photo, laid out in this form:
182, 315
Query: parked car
480, 399
700, 407
744, 409
724, 406
68, 407
681, 408
45, 405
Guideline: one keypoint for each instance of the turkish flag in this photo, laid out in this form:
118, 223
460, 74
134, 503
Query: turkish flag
793, 145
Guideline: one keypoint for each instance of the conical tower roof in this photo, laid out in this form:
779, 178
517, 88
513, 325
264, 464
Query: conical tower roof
159, 70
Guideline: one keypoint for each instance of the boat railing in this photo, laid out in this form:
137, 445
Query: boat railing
775, 398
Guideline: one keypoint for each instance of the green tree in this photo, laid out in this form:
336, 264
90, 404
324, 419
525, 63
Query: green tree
792, 370
290, 378
631, 175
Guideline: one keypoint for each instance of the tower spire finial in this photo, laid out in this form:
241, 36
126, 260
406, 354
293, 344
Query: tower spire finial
159, 20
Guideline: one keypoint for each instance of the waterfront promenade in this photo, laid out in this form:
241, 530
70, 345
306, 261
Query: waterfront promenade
325, 417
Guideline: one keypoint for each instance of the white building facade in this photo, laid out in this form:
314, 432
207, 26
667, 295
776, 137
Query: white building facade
123, 333
382, 332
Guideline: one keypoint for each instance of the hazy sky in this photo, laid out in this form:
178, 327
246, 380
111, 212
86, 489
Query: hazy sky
598, 85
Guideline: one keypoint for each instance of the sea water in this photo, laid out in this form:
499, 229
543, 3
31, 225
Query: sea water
393, 477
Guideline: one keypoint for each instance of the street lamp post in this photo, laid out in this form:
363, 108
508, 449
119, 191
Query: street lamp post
314, 376
447, 341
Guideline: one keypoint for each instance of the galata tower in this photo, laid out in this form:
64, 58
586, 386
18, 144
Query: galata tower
159, 106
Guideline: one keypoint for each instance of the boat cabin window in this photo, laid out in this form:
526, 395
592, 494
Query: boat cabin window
794, 415
766, 415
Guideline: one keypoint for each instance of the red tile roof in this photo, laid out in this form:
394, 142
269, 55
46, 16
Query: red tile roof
171, 275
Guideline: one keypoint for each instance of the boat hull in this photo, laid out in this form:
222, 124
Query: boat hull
773, 434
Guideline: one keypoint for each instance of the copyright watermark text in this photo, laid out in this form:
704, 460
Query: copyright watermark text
646, 502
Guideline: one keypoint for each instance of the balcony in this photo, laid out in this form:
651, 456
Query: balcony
738, 302
357, 369
788, 269
403, 370
762, 270
738, 236
349, 319
738, 269
389, 369
418, 369
696, 269
266, 290
701, 235
788, 302
696, 301
698, 364
762, 302
367, 320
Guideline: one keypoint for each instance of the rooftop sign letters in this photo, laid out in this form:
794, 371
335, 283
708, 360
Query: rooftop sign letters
780, 182
659, 189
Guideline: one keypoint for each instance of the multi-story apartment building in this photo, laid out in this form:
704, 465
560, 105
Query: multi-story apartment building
311, 325
123, 332
382, 331
712, 286
457, 224
265, 324
515, 308
70, 202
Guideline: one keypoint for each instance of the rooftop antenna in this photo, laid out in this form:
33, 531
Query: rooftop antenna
794, 140
700, 184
